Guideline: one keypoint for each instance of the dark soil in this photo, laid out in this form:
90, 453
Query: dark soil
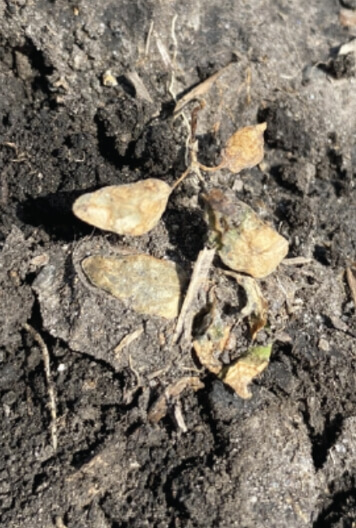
287, 456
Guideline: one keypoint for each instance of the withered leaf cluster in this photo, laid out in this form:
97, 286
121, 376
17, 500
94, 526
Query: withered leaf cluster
244, 243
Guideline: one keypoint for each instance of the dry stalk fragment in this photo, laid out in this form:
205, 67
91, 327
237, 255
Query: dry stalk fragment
199, 275
198, 91
127, 340
129, 209
50, 386
172, 392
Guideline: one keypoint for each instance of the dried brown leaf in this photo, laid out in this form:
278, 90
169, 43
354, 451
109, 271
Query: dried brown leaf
244, 149
149, 285
130, 209
239, 375
172, 392
256, 306
245, 243
210, 345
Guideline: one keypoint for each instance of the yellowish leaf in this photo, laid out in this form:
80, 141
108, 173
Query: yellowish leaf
210, 345
239, 375
245, 243
244, 149
149, 285
130, 209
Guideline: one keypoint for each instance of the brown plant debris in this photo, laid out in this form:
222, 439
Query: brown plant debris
245, 243
128, 339
199, 275
149, 285
351, 280
244, 149
171, 394
50, 385
210, 344
198, 91
256, 306
240, 374
130, 209
140, 88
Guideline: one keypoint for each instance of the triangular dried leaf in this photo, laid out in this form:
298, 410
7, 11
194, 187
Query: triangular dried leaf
245, 243
244, 149
150, 286
239, 375
130, 209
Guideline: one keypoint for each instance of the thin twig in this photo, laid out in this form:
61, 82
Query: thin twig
50, 386
174, 37
148, 40
127, 340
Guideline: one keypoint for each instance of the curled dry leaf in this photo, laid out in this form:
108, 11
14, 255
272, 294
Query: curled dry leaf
256, 306
130, 209
210, 345
239, 375
151, 286
244, 149
245, 243
172, 392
